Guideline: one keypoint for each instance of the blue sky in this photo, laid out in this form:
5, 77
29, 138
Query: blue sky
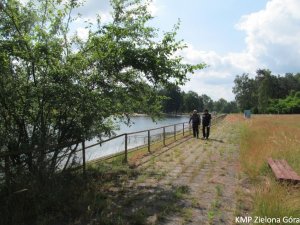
231, 36
207, 24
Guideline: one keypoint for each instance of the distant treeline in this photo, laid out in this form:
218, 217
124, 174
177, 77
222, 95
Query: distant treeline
267, 93
177, 101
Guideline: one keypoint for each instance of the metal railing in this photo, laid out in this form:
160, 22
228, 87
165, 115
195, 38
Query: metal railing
135, 140
130, 141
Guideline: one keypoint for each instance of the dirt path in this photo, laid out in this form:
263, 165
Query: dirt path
192, 181
200, 174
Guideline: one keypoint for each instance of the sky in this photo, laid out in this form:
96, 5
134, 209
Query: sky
231, 36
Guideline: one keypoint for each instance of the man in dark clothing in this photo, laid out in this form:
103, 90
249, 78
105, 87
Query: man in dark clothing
206, 120
195, 118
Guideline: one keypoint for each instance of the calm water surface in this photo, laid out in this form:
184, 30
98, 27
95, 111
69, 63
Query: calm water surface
138, 123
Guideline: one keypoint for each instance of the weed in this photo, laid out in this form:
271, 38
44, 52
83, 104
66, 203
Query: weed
197, 169
152, 161
219, 190
216, 204
194, 202
211, 216
181, 191
187, 214
160, 175
141, 178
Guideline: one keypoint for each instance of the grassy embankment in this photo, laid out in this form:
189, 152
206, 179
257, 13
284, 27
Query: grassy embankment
102, 195
106, 195
137, 153
277, 137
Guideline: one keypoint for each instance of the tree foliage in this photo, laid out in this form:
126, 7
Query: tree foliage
244, 94
208, 103
290, 104
192, 101
263, 93
172, 102
58, 89
177, 101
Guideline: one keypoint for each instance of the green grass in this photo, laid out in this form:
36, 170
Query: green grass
215, 206
219, 190
181, 191
211, 215
187, 214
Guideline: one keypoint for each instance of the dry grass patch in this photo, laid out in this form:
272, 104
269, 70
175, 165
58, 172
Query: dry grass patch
277, 137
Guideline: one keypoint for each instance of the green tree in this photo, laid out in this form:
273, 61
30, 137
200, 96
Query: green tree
219, 106
57, 89
173, 101
192, 101
245, 92
290, 104
230, 107
267, 88
263, 93
208, 103
287, 83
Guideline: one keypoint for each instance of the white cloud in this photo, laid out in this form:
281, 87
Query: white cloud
91, 7
82, 33
87, 22
210, 86
273, 42
216, 80
105, 17
272, 38
154, 7
273, 35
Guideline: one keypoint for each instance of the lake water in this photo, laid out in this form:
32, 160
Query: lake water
138, 123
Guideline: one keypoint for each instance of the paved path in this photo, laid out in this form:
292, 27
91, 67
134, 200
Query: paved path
205, 172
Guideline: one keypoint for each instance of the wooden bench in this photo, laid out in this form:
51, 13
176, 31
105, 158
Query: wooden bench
283, 171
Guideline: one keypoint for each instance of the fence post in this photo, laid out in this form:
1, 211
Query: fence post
182, 129
148, 140
125, 159
175, 132
7, 173
164, 136
83, 157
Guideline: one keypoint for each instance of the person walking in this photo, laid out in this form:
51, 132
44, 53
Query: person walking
206, 122
196, 121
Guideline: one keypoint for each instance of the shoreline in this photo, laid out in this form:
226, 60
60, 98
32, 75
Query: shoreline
163, 114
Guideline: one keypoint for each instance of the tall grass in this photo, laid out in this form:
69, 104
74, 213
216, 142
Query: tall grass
270, 136
277, 137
